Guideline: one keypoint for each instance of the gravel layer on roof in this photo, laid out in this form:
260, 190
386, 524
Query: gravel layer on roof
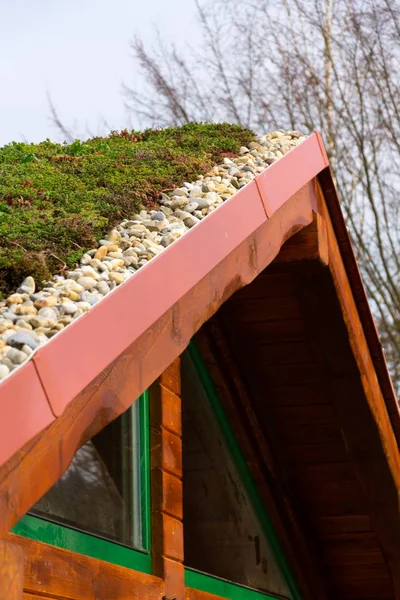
31, 317
58, 200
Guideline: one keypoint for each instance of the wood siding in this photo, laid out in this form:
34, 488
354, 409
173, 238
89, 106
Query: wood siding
166, 459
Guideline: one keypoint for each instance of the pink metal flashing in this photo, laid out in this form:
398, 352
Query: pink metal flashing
70, 361
24, 410
285, 177
66, 365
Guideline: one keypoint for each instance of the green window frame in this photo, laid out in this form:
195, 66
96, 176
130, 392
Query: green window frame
209, 583
94, 546
63, 536
220, 587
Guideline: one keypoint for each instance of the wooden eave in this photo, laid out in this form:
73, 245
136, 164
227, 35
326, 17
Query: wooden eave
89, 373
291, 364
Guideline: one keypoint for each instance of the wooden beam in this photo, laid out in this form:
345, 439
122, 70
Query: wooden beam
308, 245
52, 572
357, 288
11, 571
166, 492
191, 594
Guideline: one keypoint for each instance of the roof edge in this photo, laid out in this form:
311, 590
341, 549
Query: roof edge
358, 290
67, 364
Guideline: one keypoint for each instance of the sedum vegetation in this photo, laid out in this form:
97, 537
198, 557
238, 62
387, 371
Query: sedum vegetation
56, 201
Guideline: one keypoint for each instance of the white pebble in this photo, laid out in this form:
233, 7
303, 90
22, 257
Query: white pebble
133, 244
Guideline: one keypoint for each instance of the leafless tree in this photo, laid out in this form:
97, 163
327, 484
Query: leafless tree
67, 134
330, 65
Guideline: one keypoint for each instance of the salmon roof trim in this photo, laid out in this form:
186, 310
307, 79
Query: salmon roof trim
29, 318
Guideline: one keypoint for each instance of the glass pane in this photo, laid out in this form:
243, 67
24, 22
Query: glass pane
100, 493
222, 534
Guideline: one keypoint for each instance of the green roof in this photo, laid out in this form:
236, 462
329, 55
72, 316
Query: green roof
56, 201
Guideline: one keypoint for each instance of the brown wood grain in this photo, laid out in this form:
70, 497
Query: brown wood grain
191, 594
342, 526
58, 573
346, 551
286, 330
11, 571
297, 395
166, 451
274, 308
166, 480
331, 202
171, 377
174, 576
173, 537
167, 492
167, 410
310, 244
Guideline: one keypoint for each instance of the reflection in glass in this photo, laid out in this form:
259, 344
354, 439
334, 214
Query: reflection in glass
100, 493
222, 534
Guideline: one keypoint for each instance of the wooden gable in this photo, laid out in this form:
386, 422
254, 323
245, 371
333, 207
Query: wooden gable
284, 328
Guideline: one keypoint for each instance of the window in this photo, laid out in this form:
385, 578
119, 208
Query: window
102, 500
101, 505
226, 533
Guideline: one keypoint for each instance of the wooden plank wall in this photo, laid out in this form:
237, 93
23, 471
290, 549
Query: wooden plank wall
31, 570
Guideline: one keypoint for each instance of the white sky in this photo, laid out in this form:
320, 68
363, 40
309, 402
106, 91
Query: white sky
77, 50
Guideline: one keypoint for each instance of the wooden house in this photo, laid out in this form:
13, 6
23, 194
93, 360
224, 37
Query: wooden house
239, 440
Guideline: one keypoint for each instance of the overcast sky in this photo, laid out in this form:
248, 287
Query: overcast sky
78, 51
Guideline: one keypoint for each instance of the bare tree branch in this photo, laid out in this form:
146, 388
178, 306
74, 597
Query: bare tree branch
330, 65
68, 135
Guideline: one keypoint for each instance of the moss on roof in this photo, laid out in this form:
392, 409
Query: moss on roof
57, 200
